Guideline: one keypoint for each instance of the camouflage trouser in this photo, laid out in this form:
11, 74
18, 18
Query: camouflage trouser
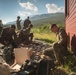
1, 30
49, 52
59, 51
18, 27
5, 41
56, 52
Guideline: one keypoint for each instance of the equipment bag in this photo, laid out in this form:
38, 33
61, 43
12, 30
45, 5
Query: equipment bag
46, 67
8, 54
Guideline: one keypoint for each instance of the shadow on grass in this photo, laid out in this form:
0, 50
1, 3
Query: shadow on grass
45, 40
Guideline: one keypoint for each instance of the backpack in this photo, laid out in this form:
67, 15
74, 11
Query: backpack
46, 67
8, 54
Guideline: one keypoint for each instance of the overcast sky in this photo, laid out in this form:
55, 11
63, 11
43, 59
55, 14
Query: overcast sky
10, 9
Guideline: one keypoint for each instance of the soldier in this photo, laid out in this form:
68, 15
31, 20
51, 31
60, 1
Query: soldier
1, 26
9, 36
25, 35
59, 47
18, 23
27, 22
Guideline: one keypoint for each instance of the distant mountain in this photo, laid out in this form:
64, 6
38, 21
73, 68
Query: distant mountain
36, 17
11, 22
44, 18
58, 18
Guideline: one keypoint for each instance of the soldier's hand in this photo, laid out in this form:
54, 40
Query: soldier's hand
55, 43
42, 56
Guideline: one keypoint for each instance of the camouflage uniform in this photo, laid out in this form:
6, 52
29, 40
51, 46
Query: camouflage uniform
18, 24
7, 36
59, 47
1, 27
25, 35
26, 23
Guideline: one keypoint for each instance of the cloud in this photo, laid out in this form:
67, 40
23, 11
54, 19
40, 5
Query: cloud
29, 6
23, 13
35, 0
53, 8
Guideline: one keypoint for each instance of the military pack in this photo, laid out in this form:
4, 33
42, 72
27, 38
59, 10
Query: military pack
8, 54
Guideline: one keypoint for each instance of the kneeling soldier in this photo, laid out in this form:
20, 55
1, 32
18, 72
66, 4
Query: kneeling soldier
59, 47
25, 35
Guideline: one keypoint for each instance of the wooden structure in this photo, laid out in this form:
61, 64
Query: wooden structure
70, 18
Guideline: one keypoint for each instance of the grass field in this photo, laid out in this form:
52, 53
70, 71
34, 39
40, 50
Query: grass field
48, 38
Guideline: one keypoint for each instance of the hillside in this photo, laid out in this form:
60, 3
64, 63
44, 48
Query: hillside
50, 18
44, 18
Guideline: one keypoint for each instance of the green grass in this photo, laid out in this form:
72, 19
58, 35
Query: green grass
48, 38
70, 63
44, 34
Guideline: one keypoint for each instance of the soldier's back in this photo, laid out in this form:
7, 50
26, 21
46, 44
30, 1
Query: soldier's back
7, 33
26, 23
62, 36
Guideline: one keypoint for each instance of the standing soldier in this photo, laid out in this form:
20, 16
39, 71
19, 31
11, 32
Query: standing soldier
27, 22
18, 23
59, 47
1, 26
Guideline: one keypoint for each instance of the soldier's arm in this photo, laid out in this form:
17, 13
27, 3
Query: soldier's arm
2, 26
63, 37
5, 31
20, 20
15, 35
29, 21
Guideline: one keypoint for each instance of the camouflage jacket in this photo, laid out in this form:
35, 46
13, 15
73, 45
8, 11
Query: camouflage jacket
61, 37
27, 22
1, 25
24, 33
18, 22
8, 33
